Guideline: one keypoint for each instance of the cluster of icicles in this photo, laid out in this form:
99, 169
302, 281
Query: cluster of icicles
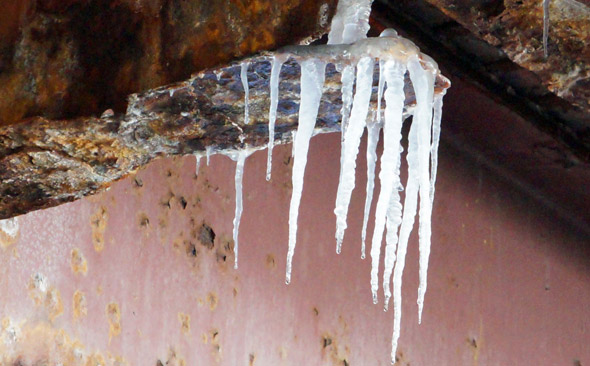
395, 56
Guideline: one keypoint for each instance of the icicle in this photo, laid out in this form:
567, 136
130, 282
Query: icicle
312, 81
409, 212
373, 130
352, 141
394, 219
198, 163
545, 27
423, 82
347, 79
208, 150
394, 96
277, 63
244, 77
351, 21
437, 116
240, 158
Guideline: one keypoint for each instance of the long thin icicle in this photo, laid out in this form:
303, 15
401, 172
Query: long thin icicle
347, 79
410, 205
423, 82
352, 139
197, 163
312, 82
436, 119
394, 219
240, 158
244, 78
373, 129
394, 97
277, 63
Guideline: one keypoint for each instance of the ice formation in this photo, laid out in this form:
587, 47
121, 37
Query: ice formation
240, 158
312, 82
397, 58
353, 53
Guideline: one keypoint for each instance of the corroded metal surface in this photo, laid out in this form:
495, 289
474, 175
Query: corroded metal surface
65, 59
44, 163
516, 27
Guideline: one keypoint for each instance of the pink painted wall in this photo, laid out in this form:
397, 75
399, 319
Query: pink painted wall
509, 283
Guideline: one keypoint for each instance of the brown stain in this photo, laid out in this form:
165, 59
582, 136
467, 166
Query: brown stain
114, 318
98, 222
185, 323
79, 305
215, 345
332, 351
46, 296
143, 220
78, 262
212, 300
270, 261
206, 236
251, 359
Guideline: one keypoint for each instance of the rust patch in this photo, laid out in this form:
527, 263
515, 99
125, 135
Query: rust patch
270, 261
114, 318
207, 236
215, 345
98, 222
185, 323
143, 220
41, 343
46, 296
78, 262
212, 300
80, 307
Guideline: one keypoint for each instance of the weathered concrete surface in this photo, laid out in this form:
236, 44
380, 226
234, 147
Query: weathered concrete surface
516, 27
66, 59
44, 163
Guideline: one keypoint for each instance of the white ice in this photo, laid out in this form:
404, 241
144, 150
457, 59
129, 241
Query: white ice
244, 78
423, 82
9, 226
277, 63
208, 151
312, 81
394, 97
240, 158
351, 21
352, 139
373, 130
197, 163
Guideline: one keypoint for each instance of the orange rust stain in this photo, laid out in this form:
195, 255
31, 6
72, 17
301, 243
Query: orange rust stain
212, 300
40, 343
98, 222
80, 307
114, 318
78, 262
45, 296
185, 323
